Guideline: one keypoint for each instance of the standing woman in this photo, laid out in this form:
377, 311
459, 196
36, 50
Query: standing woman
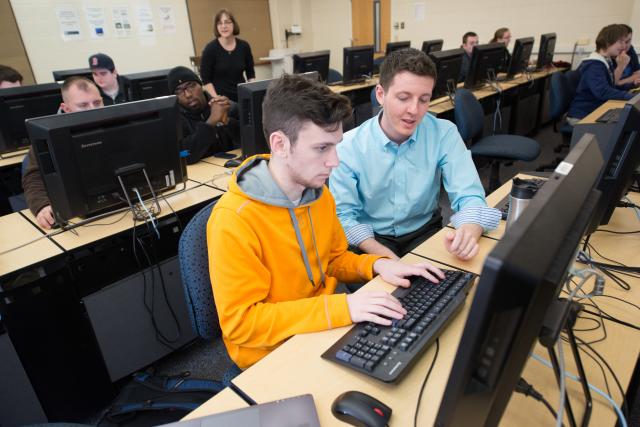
226, 58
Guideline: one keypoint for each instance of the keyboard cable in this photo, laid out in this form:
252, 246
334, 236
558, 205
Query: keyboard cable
424, 383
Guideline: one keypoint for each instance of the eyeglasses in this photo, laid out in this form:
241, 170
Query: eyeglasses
182, 89
221, 23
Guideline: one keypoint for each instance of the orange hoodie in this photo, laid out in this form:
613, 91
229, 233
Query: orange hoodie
274, 266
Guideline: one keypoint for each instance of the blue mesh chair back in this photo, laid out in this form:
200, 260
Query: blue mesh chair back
374, 100
333, 76
573, 79
194, 266
468, 114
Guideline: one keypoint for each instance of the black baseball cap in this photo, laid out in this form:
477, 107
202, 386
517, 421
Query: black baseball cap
100, 60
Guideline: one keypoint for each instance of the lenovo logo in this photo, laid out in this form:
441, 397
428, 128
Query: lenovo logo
92, 144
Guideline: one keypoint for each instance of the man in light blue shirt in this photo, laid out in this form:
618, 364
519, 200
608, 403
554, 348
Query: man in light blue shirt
391, 168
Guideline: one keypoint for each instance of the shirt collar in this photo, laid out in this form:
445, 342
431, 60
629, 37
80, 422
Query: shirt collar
379, 134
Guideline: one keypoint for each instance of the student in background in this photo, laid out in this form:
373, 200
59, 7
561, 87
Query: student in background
503, 35
627, 67
392, 166
227, 59
207, 127
113, 87
597, 82
78, 94
469, 40
9, 77
289, 250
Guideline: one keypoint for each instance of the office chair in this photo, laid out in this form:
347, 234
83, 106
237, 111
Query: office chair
561, 92
194, 267
18, 202
333, 76
469, 118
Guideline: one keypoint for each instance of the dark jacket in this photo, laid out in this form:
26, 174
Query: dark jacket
632, 67
34, 190
464, 67
202, 139
596, 86
121, 96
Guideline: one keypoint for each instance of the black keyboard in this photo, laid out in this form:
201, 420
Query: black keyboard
355, 81
387, 352
504, 203
610, 116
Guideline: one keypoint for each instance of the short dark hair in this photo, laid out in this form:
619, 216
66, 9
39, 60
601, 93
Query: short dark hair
218, 17
412, 60
628, 28
80, 82
610, 35
499, 34
467, 35
8, 74
293, 100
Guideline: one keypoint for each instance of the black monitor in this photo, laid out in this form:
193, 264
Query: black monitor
393, 46
547, 47
486, 61
432, 46
250, 97
520, 56
62, 75
312, 61
147, 85
20, 103
82, 155
448, 64
357, 63
520, 279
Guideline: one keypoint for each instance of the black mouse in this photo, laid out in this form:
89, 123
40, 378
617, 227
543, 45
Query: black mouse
360, 409
232, 163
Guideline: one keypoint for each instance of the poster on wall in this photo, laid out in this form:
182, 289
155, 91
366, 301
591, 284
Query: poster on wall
167, 19
69, 23
144, 19
121, 21
96, 21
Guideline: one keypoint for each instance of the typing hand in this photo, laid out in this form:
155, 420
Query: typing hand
395, 272
45, 217
463, 242
372, 306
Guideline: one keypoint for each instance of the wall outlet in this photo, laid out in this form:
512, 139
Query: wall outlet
296, 29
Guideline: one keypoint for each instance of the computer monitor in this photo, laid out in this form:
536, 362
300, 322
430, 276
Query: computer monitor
448, 64
520, 279
20, 103
520, 56
62, 75
312, 61
547, 47
83, 156
357, 63
147, 85
393, 46
486, 61
432, 46
250, 97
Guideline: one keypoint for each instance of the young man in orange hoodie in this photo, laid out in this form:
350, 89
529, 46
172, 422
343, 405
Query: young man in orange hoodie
276, 247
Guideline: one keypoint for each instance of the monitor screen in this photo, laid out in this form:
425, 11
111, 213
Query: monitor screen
432, 46
250, 97
62, 75
547, 47
147, 85
486, 61
312, 61
393, 46
81, 155
448, 64
520, 56
521, 277
20, 103
357, 63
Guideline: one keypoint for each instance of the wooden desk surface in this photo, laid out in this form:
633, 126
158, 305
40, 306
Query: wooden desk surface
219, 161
349, 88
211, 174
14, 158
591, 118
37, 246
226, 400
116, 223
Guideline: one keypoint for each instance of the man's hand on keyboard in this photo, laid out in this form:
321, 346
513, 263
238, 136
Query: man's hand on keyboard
378, 307
463, 242
395, 272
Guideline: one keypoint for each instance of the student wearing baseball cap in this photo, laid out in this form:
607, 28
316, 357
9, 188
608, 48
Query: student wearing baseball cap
113, 87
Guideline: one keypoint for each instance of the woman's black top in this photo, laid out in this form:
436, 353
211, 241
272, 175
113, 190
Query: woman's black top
224, 68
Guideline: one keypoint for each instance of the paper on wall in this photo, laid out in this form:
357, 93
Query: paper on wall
96, 21
144, 18
167, 19
121, 21
419, 11
69, 23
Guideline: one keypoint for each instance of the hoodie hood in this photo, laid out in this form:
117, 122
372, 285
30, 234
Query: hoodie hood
594, 59
253, 180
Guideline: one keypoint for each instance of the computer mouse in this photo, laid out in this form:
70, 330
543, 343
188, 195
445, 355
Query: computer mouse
232, 163
360, 409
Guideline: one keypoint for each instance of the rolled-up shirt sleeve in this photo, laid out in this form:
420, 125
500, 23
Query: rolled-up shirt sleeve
486, 217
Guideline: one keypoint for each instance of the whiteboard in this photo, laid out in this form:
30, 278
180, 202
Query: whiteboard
139, 35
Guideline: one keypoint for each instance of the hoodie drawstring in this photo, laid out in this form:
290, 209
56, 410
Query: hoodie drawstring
305, 257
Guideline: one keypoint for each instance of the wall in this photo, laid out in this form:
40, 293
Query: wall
47, 51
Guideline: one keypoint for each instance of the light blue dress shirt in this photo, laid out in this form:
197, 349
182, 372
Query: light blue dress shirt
392, 189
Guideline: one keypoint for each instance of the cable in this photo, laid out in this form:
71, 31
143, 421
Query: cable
523, 387
618, 232
563, 385
424, 383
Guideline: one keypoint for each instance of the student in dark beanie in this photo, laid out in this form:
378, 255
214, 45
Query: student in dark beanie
227, 59
207, 126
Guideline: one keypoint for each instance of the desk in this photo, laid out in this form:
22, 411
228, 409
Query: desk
13, 158
219, 161
591, 118
343, 89
226, 400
